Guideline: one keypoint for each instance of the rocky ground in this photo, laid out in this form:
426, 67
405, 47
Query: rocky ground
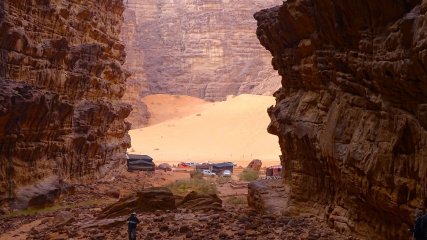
77, 216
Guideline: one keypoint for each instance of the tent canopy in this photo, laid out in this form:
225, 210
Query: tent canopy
140, 163
140, 157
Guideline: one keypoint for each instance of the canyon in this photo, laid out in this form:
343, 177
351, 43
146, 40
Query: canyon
351, 113
61, 81
205, 49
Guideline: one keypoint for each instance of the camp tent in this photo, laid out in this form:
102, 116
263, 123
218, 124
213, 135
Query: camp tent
274, 171
221, 167
203, 166
140, 163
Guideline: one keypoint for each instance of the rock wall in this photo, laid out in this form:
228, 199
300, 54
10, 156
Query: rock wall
205, 49
351, 115
268, 196
61, 83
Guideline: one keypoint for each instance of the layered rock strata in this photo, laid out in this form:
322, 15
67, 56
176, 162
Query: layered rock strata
351, 113
146, 200
206, 49
61, 83
268, 196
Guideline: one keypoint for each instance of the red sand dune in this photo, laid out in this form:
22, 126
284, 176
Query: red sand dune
233, 130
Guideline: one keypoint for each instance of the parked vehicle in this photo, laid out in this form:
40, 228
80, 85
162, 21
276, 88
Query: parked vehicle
208, 173
165, 167
226, 173
192, 164
188, 164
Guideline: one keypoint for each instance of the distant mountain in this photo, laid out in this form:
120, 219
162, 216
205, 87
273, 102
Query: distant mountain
205, 49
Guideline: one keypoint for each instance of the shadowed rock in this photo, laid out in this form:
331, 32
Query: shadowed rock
268, 196
41, 194
61, 81
351, 113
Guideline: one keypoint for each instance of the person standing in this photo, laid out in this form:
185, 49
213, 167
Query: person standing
132, 223
419, 230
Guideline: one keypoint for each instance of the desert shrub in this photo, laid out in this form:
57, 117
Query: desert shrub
249, 175
196, 174
182, 187
38, 211
237, 200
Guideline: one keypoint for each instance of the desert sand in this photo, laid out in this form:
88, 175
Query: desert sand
232, 130
163, 107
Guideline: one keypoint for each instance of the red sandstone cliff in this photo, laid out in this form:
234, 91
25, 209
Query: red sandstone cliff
351, 115
206, 49
61, 83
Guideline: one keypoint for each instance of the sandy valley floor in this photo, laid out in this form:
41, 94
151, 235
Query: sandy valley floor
232, 130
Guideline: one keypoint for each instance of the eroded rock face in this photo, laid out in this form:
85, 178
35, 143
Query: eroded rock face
268, 196
61, 83
195, 201
206, 49
351, 114
146, 200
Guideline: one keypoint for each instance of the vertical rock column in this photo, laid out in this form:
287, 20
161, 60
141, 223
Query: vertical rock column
351, 113
61, 81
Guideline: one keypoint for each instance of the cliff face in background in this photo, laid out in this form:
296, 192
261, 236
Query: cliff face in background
61, 83
351, 115
205, 49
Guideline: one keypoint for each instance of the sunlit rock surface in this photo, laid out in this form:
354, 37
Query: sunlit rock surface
351, 115
61, 81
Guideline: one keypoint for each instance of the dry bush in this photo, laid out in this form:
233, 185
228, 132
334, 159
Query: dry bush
196, 174
237, 200
182, 187
249, 175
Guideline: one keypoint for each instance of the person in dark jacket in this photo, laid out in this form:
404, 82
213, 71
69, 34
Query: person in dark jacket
419, 230
132, 223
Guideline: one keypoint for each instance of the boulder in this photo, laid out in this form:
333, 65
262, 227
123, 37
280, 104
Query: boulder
104, 223
255, 165
201, 202
63, 218
147, 200
42, 194
165, 167
268, 196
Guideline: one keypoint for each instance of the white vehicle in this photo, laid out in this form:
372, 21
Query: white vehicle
208, 173
226, 173
192, 164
